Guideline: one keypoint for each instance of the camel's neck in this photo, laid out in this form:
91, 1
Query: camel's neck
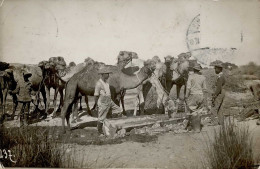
130, 82
121, 64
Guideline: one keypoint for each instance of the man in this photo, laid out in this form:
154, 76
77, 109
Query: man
196, 90
23, 91
219, 94
103, 98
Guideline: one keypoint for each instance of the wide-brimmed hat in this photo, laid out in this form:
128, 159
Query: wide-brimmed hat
218, 63
197, 67
104, 69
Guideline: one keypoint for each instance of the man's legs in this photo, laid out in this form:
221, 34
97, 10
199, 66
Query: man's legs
215, 110
22, 114
103, 110
27, 111
195, 102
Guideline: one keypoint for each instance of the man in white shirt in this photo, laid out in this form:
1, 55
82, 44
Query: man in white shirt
196, 88
103, 98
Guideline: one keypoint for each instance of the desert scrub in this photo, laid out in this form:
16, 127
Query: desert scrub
30, 148
231, 148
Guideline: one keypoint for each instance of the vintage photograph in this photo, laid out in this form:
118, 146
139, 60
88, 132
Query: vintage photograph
130, 84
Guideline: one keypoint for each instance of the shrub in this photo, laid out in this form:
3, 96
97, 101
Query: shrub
231, 148
31, 148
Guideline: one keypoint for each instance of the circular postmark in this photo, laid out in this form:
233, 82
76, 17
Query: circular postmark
204, 54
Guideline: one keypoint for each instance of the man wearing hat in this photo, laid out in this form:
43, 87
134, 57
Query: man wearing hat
23, 91
219, 94
103, 98
196, 89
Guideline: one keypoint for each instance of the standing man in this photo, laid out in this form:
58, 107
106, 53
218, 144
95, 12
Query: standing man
218, 95
23, 91
103, 98
196, 90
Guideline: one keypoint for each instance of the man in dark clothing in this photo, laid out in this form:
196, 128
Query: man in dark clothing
23, 91
218, 95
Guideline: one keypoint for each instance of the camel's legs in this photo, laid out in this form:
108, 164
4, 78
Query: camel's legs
70, 94
56, 90
1, 96
137, 101
47, 89
61, 98
60, 90
80, 105
75, 114
15, 104
88, 109
44, 96
122, 100
4, 100
65, 111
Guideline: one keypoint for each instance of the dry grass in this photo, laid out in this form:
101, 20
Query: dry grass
231, 148
31, 148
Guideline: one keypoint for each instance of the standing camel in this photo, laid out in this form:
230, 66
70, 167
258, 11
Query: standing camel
52, 72
178, 71
123, 59
84, 82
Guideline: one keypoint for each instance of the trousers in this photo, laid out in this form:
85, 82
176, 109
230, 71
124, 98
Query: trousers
105, 104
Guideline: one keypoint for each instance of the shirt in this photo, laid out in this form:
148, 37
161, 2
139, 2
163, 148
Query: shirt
196, 83
23, 91
219, 84
102, 88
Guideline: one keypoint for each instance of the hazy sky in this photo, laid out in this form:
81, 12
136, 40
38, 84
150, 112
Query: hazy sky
34, 30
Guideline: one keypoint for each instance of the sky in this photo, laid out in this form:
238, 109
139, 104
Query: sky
35, 30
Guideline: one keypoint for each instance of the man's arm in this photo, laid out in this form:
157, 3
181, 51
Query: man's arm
16, 90
188, 88
96, 94
218, 87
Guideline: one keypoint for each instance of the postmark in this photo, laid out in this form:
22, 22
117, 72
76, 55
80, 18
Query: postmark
205, 54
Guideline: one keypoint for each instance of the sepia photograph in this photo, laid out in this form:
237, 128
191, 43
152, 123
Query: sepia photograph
130, 84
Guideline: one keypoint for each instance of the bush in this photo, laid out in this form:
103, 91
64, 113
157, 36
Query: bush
30, 148
231, 148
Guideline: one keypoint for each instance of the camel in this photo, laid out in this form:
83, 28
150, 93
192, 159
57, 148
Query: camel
51, 79
84, 82
124, 57
7, 83
178, 69
135, 65
16, 74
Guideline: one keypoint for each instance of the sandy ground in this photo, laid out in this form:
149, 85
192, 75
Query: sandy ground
166, 150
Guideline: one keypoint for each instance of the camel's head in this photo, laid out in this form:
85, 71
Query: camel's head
149, 67
89, 61
184, 56
168, 60
125, 57
57, 63
72, 64
156, 59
